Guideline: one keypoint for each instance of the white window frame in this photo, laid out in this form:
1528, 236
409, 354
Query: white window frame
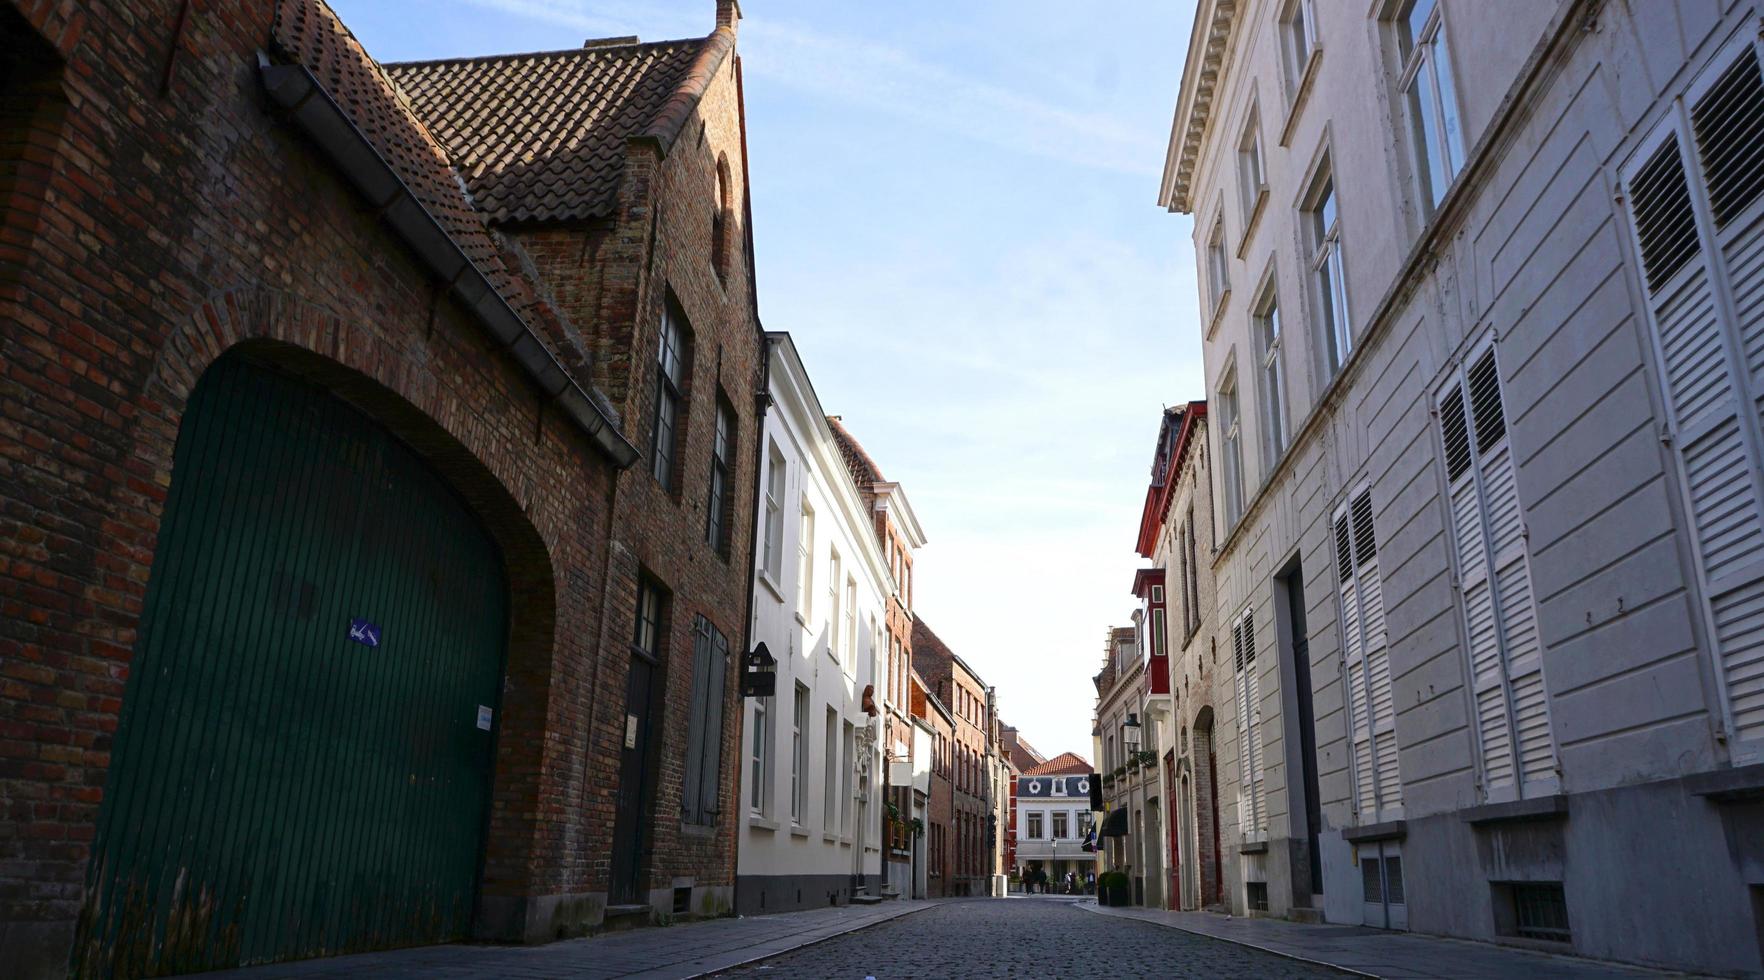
1326, 263
1298, 49
1271, 372
1252, 170
805, 562
799, 722
1425, 84
760, 758
835, 574
1231, 475
830, 771
772, 557
1218, 266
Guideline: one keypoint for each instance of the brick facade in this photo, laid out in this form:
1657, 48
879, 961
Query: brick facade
964, 694
158, 217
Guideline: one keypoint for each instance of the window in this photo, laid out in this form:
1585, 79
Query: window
1230, 449
772, 561
670, 373
1327, 275
1298, 42
1252, 807
699, 800
1518, 755
849, 743
1157, 633
805, 564
1252, 179
1218, 268
1700, 268
1060, 825
799, 756
720, 222
830, 762
1059, 787
1267, 329
834, 618
851, 634
1035, 826
720, 502
1430, 96
1366, 660
1193, 576
759, 770
1532, 910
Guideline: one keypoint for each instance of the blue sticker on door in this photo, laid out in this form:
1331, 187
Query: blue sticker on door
364, 632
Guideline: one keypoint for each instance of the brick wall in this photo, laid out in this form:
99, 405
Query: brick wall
147, 232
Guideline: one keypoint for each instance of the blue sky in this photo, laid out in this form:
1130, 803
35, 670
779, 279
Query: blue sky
955, 215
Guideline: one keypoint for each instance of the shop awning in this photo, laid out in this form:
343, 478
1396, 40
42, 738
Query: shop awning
1115, 824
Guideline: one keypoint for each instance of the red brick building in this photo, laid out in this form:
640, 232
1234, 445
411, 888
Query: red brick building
962, 692
940, 857
337, 545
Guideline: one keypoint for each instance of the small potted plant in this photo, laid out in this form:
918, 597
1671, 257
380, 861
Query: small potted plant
1113, 888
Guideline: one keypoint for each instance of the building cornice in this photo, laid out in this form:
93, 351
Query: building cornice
1208, 42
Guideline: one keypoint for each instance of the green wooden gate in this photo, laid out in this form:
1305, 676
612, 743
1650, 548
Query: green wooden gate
302, 765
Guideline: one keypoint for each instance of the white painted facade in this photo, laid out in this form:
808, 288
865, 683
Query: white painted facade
1053, 817
811, 762
1497, 474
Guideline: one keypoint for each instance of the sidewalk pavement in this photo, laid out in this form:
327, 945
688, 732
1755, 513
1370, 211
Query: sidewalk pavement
673, 952
1379, 952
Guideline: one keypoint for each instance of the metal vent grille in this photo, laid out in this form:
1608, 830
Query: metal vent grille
1729, 124
1485, 403
1663, 220
1457, 433
1365, 547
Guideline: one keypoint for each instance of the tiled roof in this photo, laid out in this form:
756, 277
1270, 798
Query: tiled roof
864, 471
310, 33
1064, 764
542, 137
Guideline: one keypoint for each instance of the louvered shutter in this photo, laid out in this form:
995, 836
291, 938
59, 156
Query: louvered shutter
1488, 681
1513, 602
689, 793
1252, 684
711, 751
1354, 659
1245, 768
1376, 638
1715, 377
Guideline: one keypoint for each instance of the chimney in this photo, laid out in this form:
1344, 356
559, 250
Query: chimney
728, 13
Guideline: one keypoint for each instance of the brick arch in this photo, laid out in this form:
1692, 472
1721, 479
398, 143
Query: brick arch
392, 385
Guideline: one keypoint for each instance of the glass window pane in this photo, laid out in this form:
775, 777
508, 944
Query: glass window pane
1448, 102
1429, 168
1414, 22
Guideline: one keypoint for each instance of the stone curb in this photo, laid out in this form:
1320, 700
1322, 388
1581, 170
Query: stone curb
804, 945
1350, 971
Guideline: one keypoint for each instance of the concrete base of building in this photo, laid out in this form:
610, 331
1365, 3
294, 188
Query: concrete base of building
544, 918
1667, 873
764, 894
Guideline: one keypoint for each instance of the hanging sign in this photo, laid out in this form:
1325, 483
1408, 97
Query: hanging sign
364, 632
484, 716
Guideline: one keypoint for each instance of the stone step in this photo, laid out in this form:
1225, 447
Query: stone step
861, 899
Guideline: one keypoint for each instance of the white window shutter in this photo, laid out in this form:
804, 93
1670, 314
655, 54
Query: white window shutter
1354, 656
1488, 681
1245, 770
1376, 638
1252, 806
1713, 371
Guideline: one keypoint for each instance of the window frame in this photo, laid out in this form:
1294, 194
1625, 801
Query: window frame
1295, 64
1423, 58
1252, 197
1324, 252
760, 759
1233, 487
771, 558
719, 504
1270, 368
673, 337
799, 721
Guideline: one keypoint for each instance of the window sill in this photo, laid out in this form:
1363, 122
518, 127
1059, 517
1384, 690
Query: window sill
845, 842
798, 830
1535, 808
1218, 314
1250, 223
759, 822
765, 579
698, 829
802, 619
1301, 93
829, 836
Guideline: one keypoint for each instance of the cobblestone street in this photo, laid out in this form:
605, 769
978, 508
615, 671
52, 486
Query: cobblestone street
1027, 937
